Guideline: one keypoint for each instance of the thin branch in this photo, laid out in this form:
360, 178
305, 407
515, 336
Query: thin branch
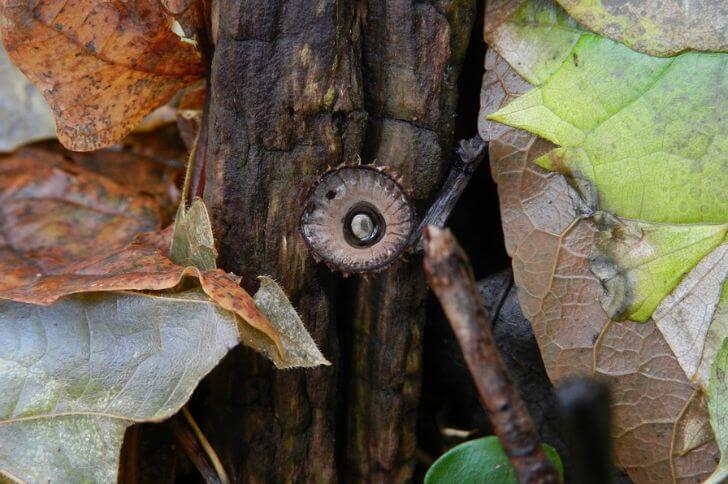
451, 278
470, 153
211, 454
194, 183
197, 448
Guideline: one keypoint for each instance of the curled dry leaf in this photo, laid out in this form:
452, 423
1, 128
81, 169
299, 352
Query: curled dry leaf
300, 348
65, 230
106, 254
101, 66
661, 430
192, 239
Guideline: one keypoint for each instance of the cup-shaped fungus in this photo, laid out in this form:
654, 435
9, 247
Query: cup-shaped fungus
357, 219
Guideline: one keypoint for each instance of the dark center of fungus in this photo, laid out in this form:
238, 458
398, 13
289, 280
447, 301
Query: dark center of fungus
357, 219
363, 225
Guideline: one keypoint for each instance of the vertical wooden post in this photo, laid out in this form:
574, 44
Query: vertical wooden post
296, 86
286, 103
411, 59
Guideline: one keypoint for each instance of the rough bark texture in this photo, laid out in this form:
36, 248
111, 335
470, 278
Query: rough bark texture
411, 57
297, 86
286, 103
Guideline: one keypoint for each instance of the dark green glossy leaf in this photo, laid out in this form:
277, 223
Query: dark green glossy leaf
480, 461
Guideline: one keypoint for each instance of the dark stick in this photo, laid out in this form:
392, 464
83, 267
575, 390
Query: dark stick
584, 408
470, 153
451, 278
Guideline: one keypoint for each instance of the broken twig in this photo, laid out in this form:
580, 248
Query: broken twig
470, 154
451, 278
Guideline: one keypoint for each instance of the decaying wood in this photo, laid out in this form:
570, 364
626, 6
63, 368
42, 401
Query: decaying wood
285, 104
411, 56
451, 278
295, 89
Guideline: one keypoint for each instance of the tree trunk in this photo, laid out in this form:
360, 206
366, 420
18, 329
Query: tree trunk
297, 86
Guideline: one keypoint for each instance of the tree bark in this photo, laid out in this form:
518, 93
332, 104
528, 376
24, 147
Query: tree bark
297, 86
412, 53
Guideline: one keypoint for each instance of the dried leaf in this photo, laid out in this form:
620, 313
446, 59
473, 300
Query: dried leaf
77, 373
300, 348
134, 171
101, 66
55, 212
656, 27
688, 313
192, 240
25, 114
551, 243
718, 406
65, 230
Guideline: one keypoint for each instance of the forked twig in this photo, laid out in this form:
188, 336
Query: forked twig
451, 278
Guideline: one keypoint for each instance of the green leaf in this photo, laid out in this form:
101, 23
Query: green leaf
192, 241
75, 374
643, 138
480, 461
656, 27
640, 263
718, 408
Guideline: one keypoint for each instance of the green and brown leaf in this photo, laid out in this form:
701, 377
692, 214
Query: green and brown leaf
627, 124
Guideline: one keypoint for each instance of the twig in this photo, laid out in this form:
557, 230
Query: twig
470, 154
451, 278
211, 454
584, 408
198, 449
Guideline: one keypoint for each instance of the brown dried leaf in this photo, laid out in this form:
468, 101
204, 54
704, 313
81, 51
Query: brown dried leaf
659, 414
65, 230
136, 172
54, 212
101, 66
